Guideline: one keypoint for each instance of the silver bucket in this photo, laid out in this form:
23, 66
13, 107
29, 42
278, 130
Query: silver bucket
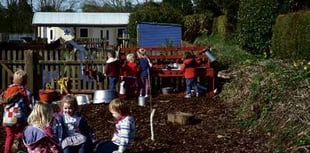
104, 96
142, 101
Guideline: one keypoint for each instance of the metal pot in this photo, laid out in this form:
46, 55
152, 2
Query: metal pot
82, 99
104, 96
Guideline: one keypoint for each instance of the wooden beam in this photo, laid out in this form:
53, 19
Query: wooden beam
7, 69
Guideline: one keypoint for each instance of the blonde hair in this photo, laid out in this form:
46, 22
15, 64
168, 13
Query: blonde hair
41, 114
20, 77
119, 106
71, 100
130, 57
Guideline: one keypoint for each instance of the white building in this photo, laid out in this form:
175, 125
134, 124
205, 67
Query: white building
72, 25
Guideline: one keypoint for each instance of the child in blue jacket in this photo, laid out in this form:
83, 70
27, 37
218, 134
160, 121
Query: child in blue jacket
71, 128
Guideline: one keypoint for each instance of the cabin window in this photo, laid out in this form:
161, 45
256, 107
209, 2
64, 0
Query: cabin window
84, 33
101, 34
107, 34
51, 35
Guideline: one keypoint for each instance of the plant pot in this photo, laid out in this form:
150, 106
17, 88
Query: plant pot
48, 95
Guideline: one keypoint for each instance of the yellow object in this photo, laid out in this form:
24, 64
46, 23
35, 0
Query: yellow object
63, 83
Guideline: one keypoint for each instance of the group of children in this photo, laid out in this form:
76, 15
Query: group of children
135, 71
43, 130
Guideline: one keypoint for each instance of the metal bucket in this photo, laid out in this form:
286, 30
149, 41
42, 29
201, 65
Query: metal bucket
167, 90
82, 99
122, 89
104, 96
142, 101
210, 56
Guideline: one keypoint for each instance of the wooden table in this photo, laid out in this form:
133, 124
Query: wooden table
201, 72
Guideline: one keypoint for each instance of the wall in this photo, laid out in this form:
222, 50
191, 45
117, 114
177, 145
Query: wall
159, 35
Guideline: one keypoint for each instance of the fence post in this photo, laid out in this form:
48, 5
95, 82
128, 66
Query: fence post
29, 68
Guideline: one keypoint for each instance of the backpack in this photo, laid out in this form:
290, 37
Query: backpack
16, 106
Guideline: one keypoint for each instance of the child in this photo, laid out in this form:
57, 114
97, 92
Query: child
189, 69
145, 65
125, 129
71, 128
38, 136
17, 101
112, 70
130, 72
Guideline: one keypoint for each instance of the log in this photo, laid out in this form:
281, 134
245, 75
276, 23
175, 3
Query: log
181, 118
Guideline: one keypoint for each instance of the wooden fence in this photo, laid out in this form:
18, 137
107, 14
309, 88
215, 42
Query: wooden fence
48, 66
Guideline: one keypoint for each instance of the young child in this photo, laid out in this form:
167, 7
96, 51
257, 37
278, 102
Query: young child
71, 128
38, 136
17, 103
145, 64
130, 73
112, 70
124, 134
189, 69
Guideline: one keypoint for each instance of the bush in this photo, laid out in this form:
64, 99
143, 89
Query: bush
291, 36
255, 24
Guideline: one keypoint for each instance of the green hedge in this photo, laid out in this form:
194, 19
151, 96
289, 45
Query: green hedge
255, 20
291, 36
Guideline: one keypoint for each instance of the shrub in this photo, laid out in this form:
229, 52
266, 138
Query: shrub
255, 24
291, 36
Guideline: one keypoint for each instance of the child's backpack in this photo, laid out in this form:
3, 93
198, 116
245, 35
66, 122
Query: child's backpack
16, 106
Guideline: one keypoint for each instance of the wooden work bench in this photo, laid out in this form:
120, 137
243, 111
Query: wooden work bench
161, 57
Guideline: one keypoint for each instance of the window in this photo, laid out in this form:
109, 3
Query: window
107, 34
101, 34
84, 33
51, 34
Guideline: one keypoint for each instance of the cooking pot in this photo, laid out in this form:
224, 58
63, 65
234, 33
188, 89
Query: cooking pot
104, 96
82, 99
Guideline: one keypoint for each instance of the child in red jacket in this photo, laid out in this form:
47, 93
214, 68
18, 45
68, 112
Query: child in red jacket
189, 69
17, 103
130, 73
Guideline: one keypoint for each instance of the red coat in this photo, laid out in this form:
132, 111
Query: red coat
130, 69
189, 68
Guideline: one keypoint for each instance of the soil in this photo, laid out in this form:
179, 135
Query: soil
213, 130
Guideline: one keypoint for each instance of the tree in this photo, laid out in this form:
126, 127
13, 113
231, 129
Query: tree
18, 17
186, 6
108, 6
57, 5
153, 12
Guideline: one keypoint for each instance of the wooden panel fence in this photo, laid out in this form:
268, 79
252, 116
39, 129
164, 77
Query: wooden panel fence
48, 66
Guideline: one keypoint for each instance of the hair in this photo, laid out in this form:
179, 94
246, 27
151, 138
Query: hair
41, 114
130, 57
20, 77
119, 106
141, 51
71, 100
188, 55
113, 54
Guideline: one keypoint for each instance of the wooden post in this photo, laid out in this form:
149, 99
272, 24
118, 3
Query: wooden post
29, 68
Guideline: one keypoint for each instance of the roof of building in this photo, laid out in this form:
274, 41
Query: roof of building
73, 18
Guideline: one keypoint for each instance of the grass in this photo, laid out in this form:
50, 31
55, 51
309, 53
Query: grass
273, 94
